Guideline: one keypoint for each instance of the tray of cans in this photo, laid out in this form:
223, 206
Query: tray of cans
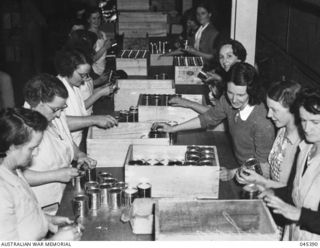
156, 107
186, 70
174, 171
130, 90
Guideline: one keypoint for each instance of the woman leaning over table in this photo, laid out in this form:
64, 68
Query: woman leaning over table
299, 202
280, 99
21, 217
50, 169
252, 134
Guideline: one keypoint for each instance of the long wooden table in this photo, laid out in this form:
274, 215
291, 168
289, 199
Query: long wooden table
106, 225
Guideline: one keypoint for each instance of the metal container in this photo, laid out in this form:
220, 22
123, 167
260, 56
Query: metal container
193, 156
91, 185
80, 205
190, 162
250, 191
144, 190
175, 162
103, 175
104, 187
78, 183
91, 174
121, 185
130, 194
253, 164
114, 198
124, 115
94, 198
193, 148
110, 180
133, 114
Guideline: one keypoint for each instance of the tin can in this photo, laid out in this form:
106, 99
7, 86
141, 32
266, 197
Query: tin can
94, 198
144, 190
114, 198
175, 162
206, 162
91, 174
103, 175
133, 114
80, 205
192, 156
253, 164
130, 194
124, 115
193, 148
104, 187
250, 191
91, 185
111, 180
121, 185
78, 183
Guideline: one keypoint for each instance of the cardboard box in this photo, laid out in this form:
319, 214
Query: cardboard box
172, 181
156, 60
213, 220
168, 113
109, 147
130, 90
133, 62
186, 70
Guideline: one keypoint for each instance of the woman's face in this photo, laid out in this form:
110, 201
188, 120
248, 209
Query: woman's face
53, 109
227, 57
22, 154
237, 95
279, 114
80, 75
94, 20
191, 25
203, 16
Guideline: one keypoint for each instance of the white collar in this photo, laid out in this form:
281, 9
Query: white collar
244, 113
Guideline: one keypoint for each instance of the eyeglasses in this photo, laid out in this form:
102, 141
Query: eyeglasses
55, 110
83, 75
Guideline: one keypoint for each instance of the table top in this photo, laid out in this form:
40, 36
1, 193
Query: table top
105, 224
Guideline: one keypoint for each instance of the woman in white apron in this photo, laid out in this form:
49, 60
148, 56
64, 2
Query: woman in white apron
73, 69
301, 204
21, 217
47, 95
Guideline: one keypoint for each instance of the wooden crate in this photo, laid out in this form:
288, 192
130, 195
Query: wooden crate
169, 113
172, 181
130, 90
142, 24
186, 70
187, 220
156, 60
132, 64
109, 147
133, 5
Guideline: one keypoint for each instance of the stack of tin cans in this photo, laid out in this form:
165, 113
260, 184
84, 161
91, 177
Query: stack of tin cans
187, 61
130, 115
92, 193
156, 99
194, 156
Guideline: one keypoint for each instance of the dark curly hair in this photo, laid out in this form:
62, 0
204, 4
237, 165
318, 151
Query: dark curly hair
244, 74
284, 92
16, 126
67, 60
237, 48
44, 88
309, 98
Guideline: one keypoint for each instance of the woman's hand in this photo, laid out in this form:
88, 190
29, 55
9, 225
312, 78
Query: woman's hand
190, 50
56, 221
84, 159
65, 174
68, 233
251, 176
213, 77
162, 127
226, 174
179, 102
105, 90
280, 207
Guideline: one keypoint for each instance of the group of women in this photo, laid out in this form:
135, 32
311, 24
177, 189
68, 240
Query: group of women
39, 142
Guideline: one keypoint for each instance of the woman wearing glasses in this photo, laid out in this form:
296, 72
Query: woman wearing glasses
73, 69
252, 134
50, 168
21, 217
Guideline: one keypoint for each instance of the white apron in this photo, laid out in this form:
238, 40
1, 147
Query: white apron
305, 193
55, 152
75, 107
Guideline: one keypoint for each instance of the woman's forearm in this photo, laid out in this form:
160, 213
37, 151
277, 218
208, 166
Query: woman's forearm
99, 53
199, 108
188, 125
